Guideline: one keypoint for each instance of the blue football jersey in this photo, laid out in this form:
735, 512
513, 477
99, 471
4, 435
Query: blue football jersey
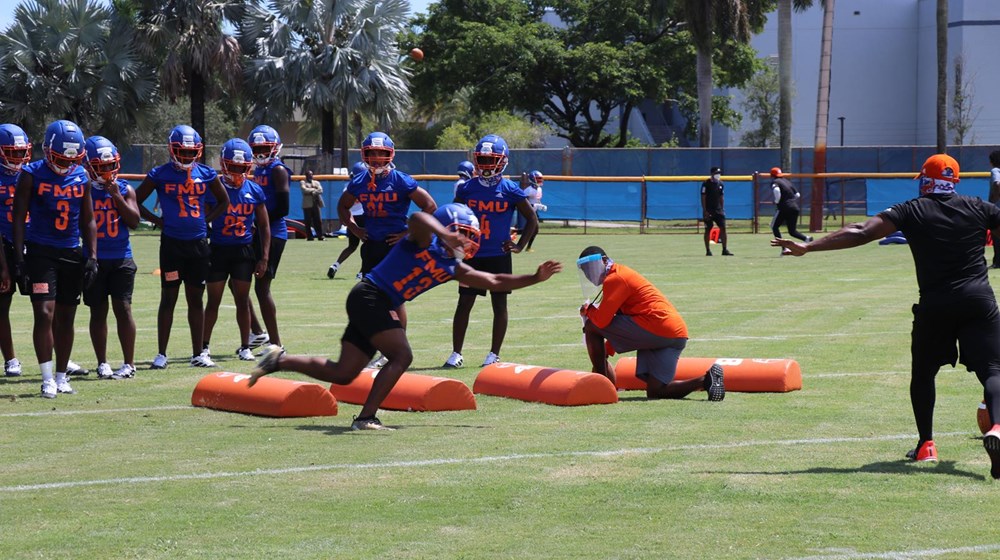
182, 199
409, 270
112, 233
55, 205
235, 225
8, 183
495, 206
386, 202
262, 176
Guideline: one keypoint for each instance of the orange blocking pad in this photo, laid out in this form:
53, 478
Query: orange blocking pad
270, 396
543, 384
424, 393
741, 375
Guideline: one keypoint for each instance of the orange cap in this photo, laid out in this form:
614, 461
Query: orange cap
940, 166
776, 172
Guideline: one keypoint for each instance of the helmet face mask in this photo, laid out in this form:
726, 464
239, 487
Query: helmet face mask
490, 158
103, 160
15, 149
185, 146
377, 151
236, 160
63, 147
265, 143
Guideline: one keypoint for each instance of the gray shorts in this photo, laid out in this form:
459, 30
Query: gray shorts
656, 355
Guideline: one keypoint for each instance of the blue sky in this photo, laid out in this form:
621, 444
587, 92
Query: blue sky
7, 10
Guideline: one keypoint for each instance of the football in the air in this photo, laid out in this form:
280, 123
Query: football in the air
416, 54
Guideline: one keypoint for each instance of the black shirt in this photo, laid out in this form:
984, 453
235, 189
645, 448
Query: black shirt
946, 234
712, 192
787, 200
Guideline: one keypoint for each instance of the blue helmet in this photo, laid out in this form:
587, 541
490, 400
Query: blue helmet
185, 146
236, 159
466, 170
265, 143
536, 178
15, 148
377, 152
103, 160
358, 167
63, 146
460, 218
491, 158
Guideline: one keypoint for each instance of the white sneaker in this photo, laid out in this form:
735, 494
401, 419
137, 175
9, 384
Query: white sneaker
359, 277
104, 371
259, 339
159, 362
332, 271
378, 361
202, 360
245, 354
49, 390
64, 387
454, 361
73, 368
12, 368
127, 371
491, 358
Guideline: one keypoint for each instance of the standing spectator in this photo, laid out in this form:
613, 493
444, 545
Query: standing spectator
431, 253
115, 212
181, 185
786, 202
15, 152
54, 190
385, 194
233, 236
358, 215
995, 199
494, 199
713, 209
634, 315
946, 233
312, 204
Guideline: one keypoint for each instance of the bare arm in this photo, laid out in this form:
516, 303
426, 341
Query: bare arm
851, 235
22, 199
145, 189
524, 207
344, 214
279, 177
222, 199
505, 282
423, 200
263, 223
127, 207
88, 229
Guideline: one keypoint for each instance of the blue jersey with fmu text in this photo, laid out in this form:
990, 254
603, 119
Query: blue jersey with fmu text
409, 270
55, 205
386, 202
112, 233
8, 182
235, 225
495, 207
262, 176
182, 198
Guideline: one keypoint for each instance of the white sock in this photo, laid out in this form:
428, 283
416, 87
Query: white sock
46, 368
60, 376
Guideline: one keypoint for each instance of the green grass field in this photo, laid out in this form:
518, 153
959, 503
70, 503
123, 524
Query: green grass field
128, 469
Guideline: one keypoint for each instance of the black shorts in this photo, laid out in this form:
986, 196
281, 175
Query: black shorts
8, 253
273, 255
496, 265
369, 312
54, 273
183, 261
115, 278
715, 218
372, 253
236, 261
972, 322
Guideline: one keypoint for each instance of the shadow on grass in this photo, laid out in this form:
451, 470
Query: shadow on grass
346, 428
903, 466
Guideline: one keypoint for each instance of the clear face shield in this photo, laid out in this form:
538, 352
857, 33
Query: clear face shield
591, 271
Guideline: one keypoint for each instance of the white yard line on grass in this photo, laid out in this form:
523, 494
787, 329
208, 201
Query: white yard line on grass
904, 555
94, 411
451, 461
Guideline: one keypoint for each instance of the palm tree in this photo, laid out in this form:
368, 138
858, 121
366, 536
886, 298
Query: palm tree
187, 37
785, 89
75, 60
327, 58
942, 76
705, 19
822, 117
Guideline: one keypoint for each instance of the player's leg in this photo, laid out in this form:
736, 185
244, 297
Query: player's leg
262, 289
241, 297
126, 329
12, 366
214, 290
500, 321
98, 327
63, 333
460, 321
43, 311
597, 351
775, 222
165, 315
708, 238
720, 220
393, 345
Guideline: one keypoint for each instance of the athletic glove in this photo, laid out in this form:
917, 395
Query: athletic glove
89, 273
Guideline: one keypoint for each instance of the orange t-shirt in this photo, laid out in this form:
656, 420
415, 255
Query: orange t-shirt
627, 292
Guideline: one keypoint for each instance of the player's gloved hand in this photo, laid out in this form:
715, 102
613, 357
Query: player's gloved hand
89, 273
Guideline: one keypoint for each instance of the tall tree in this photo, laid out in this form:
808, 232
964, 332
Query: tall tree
327, 59
194, 51
942, 76
73, 59
822, 117
786, 90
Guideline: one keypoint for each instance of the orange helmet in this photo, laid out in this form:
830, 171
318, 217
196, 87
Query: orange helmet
776, 172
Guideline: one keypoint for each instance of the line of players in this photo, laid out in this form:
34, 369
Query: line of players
74, 193
245, 240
